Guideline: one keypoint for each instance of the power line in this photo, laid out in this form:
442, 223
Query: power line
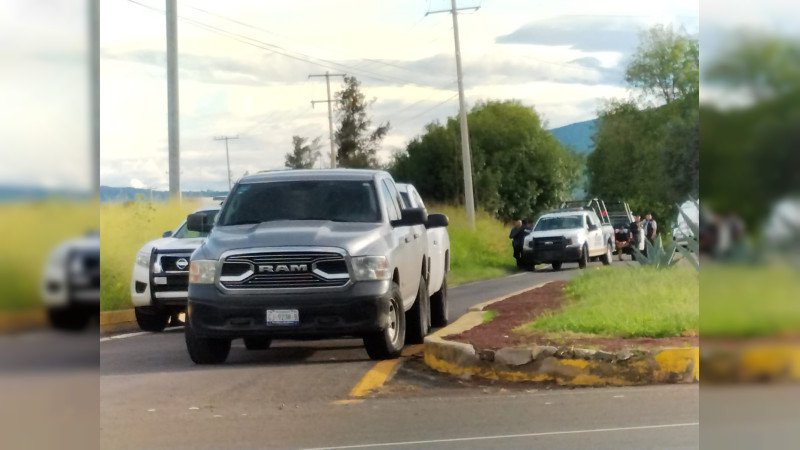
328, 76
227, 155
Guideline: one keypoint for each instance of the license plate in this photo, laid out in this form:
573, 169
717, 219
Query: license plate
283, 317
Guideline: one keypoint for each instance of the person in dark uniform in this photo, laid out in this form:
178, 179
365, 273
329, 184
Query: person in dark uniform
650, 228
634, 231
516, 241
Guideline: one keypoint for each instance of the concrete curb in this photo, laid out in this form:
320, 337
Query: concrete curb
24, 320
565, 365
122, 316
751, 363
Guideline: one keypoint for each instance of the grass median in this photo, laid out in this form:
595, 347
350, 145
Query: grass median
627, 302
478, 254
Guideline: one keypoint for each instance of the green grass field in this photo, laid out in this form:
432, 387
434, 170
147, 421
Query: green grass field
476, 254
30, 231
749, 301
628, 302
124, 227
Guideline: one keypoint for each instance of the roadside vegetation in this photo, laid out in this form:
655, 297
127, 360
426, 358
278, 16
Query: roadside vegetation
478, 254
488, 315
124, 227
628, 302
750, 301
31, 231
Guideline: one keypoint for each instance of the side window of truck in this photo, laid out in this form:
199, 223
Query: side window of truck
391, 205
395, 195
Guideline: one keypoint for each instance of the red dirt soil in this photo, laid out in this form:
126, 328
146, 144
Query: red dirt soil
525, 307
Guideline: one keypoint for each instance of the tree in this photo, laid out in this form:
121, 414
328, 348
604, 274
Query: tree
650, 157
303, 155
519, 169
665, 65
357, 147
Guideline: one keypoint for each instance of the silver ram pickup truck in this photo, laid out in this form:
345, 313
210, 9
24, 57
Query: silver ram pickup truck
310, 254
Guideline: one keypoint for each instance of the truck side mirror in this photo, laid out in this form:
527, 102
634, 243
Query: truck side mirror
437, 221
200, 222
592, 227
411, 217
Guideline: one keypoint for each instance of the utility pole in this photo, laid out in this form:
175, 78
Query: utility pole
227, 155
94, 87
172, 101
465, 151
330, 110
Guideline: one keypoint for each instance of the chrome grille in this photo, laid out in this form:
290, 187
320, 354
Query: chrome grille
320, 270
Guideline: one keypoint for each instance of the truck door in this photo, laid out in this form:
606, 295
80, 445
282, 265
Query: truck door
595, 238
409, 250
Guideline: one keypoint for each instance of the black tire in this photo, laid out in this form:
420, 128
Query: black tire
388, 343
439, 315
556, 266
151, 319
527, 263
204, 350
607, 257
418, 317
257, 343
66, 319
584, 261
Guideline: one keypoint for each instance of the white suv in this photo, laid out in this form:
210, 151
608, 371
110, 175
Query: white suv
160, 278
567, 236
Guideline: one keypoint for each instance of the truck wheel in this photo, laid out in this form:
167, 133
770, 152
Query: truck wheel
584, 261
151, 319
388, 343
419, 316
204, 350
556, 266
439, 315
66, 319
607, 257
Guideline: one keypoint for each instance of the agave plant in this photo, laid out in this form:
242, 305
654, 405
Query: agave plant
657, 256
660, 257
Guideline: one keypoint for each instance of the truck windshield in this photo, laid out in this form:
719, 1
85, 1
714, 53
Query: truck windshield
338, 201
559, 223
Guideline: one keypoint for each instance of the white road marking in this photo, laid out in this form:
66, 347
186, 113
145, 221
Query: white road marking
511, 436
138, 333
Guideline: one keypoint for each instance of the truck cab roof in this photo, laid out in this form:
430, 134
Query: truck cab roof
314, 174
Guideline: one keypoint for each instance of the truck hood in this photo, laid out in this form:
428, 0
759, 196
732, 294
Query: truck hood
355, 238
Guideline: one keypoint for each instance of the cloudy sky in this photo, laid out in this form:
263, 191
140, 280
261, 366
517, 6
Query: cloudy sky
244, 69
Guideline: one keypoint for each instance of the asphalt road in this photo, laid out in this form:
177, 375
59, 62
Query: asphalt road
295, 395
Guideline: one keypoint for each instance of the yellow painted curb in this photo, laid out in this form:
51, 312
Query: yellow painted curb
117, 317
752, 363
671, 365
13, 321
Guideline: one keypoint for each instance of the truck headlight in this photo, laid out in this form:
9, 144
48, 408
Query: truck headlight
371, 268
202, 271
143, 258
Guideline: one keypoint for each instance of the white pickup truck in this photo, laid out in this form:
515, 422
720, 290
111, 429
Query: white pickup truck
438, 258
567, 235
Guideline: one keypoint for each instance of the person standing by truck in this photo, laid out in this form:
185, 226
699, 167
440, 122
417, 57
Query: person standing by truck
517, 237
650, 228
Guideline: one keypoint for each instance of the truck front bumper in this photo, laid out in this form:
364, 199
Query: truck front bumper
361, 308
567, 254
